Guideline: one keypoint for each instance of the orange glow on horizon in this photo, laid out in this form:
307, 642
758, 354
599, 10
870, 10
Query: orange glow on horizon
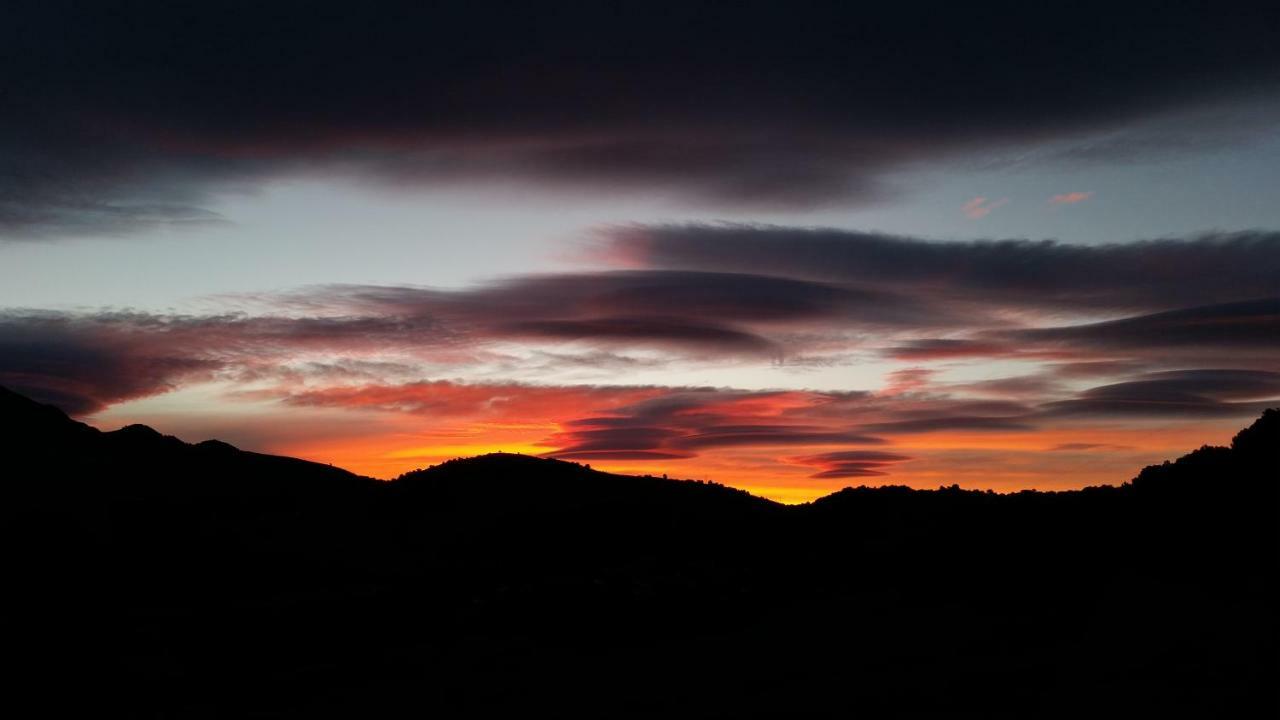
1002, 462
783, 442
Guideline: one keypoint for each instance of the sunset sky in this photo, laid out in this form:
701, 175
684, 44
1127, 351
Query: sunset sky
788, 250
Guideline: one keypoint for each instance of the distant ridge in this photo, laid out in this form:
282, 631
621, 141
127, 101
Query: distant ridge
164, 579
41, 440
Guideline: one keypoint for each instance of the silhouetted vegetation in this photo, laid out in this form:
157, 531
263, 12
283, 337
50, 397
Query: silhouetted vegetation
161, 579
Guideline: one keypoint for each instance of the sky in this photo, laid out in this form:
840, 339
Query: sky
784, 247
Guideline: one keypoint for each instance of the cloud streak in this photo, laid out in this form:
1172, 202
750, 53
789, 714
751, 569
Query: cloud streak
850, 463
1012, 274
1071, 198
980, 207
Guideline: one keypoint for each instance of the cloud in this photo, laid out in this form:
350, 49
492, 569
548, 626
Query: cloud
1095, 368
908, 380
944, 423
84, 364
1034, 386
1183, 393
772, 435
503, 401
688, 421
844, 433
1243, 326
622, 443
648, 293
980, 207
1071, 198
1110, 316
46, 217
373, 358
605, 422
696, 315
652, 331
1008, 274
691, 313
849, 463
142, 116
1245, 334
948, 348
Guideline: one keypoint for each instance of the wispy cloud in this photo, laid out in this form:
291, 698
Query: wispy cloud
792, 292
850, 463
1016, 273
1071, 198
980, 207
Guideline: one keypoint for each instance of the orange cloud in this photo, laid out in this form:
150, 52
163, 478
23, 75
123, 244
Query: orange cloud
791, 446
980, 207
1071, 198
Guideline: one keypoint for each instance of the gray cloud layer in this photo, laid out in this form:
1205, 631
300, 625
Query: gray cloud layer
1046, 275
798, 292
133, 116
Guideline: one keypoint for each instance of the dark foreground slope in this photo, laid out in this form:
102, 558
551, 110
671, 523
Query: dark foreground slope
160, 579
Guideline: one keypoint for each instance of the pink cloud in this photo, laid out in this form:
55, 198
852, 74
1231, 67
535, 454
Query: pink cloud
980, 207
907, 380
1071, 198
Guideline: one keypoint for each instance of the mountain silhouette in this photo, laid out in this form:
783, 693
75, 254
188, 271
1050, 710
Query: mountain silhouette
158, 578
43, 441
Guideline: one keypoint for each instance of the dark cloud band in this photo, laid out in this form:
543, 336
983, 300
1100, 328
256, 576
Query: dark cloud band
135, 116
1044, 275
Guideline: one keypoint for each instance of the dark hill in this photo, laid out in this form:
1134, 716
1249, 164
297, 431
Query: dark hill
522, 481
161, 579
503, 488
51, 453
